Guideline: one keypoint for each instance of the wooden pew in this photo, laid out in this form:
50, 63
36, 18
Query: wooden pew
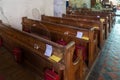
103, 16
98, 13
87, 11
81, 24
112, 14
33, 48
89, 39
90, 18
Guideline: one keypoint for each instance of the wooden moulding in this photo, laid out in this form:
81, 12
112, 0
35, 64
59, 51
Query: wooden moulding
34, 56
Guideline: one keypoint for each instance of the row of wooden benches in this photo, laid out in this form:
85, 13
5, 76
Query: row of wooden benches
95, 30
110, 15
89, 38
34, 48
80, 40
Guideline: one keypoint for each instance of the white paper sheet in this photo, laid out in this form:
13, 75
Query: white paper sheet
48, 50
79, 34
98, 16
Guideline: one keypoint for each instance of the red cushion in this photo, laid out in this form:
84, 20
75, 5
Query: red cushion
17, 54
1, 77
1, 42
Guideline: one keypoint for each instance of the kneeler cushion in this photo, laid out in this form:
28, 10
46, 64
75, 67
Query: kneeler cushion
1, 77
17, 54
51, 75
1, 42
84, 53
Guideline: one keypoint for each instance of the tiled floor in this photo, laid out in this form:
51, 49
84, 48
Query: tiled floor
107, 66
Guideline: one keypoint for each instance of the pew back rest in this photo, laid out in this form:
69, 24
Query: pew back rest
66, 30
75, 22
84, 17
97, 14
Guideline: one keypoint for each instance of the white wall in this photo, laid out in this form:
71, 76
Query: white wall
115, 2
59, 7
12, 11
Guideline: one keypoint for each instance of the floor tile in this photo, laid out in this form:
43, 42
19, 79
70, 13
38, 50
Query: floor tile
107, 66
